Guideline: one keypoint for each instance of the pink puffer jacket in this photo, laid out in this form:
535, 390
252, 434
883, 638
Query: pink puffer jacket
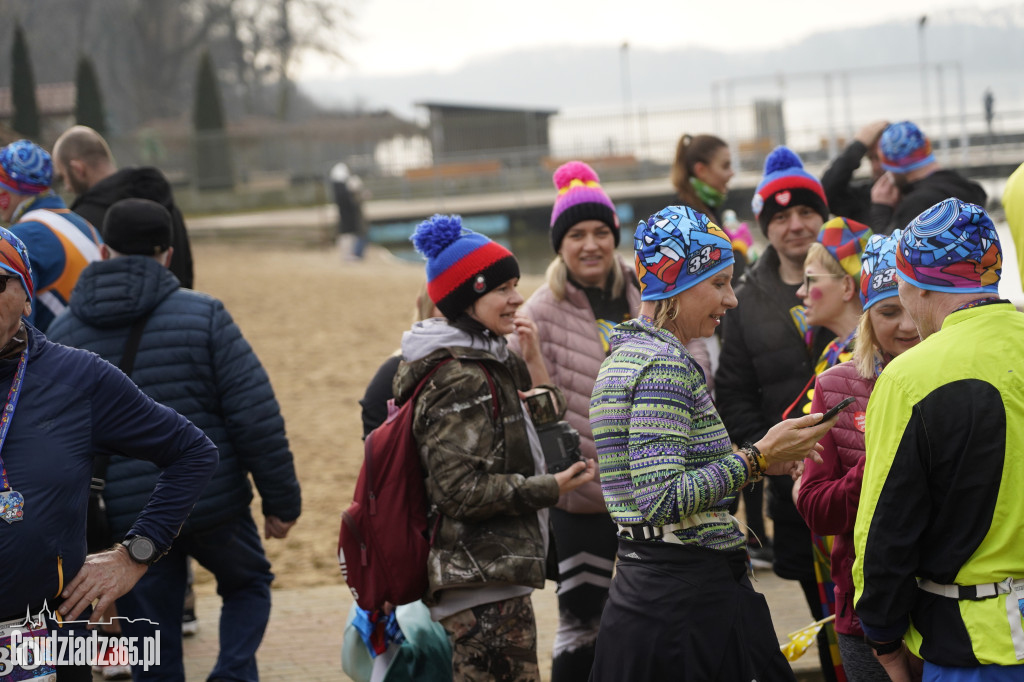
573, 354
830, 491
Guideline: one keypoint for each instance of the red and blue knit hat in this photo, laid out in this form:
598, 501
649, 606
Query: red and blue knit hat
878, 280
845, 239
952, 247
786, 184
25, 168
580, 197
903, 148
462, 265
14, 259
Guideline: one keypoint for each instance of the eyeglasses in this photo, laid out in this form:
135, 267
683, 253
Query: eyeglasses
3, 281
809, 278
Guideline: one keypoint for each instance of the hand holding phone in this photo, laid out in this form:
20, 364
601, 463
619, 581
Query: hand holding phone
843, 404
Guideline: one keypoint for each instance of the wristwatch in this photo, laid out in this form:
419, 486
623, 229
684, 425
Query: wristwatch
141, 549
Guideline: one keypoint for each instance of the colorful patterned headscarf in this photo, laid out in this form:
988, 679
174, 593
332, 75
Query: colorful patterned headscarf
951, 247
903, 148
677, 248
14, 259
25, 168
845, 239
878, 279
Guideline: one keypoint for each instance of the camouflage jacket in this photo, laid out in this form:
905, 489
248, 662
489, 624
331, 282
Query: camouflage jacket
481, 477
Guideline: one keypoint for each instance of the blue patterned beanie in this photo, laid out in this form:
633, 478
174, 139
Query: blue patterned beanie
677, 248
878, 280
951, 247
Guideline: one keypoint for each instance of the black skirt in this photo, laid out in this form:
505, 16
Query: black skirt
677, 612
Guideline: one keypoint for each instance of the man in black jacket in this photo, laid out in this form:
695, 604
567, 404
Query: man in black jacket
768, 351
915, 181
82, 160
848, 197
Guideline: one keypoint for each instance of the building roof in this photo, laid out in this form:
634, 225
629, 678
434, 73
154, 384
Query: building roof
466, 108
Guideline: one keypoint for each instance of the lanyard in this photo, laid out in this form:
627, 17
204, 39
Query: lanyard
8, 413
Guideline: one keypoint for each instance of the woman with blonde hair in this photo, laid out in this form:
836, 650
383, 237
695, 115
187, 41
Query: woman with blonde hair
828, 492
681, 605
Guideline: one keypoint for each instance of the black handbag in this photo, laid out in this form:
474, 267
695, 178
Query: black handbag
98, 534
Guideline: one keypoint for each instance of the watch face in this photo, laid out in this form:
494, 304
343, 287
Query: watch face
141, 549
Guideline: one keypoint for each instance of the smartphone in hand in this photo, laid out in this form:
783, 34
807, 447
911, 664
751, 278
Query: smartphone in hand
846, 402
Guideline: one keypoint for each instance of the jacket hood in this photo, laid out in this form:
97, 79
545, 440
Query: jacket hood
435, 333
429, 341
132, 182
114, 293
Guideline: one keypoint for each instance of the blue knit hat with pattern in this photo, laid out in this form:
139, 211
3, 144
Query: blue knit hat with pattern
677, 248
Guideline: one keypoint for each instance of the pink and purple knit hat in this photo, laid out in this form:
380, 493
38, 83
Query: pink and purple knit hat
952, 247
462, 265
580, 197
25, 168
903, 148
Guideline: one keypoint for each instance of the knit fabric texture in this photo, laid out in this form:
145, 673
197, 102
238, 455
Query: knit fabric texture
462, 265
663, 450
951, 247
786, 184
25, 168
580, 197
903, 148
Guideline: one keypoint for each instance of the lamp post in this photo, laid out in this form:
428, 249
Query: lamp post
924, 62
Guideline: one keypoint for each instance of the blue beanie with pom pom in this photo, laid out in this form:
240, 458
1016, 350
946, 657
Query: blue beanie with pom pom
462, 265
786, 184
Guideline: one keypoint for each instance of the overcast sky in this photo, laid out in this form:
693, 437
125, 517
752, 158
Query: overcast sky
396, 37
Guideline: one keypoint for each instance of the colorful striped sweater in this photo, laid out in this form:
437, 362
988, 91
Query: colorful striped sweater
664, 453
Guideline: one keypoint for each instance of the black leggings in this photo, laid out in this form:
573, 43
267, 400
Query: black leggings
586, 546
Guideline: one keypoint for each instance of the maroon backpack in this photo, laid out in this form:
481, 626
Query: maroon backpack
384, 542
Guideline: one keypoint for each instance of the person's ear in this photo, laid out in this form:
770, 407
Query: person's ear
850, 289
104, 252
700, 168
27, 309
168, 255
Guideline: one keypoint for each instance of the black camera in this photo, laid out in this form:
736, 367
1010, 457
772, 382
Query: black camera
559, 441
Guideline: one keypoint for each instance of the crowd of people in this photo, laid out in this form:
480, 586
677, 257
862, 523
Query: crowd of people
696, 377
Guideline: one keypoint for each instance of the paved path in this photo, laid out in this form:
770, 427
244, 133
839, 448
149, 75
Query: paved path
303, 640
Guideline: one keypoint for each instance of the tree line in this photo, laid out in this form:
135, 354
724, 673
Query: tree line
143, 54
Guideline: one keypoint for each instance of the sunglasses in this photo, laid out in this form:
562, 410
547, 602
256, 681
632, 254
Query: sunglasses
4, 279
809, 279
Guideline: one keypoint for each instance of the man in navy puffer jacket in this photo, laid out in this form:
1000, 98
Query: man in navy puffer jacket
193, 358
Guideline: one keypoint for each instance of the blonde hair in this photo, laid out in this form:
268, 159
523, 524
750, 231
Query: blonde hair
866, 352
666, 310
557, 275
424, 306
819, 255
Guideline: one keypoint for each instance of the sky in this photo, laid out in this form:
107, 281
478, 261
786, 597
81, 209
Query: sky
400, 37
